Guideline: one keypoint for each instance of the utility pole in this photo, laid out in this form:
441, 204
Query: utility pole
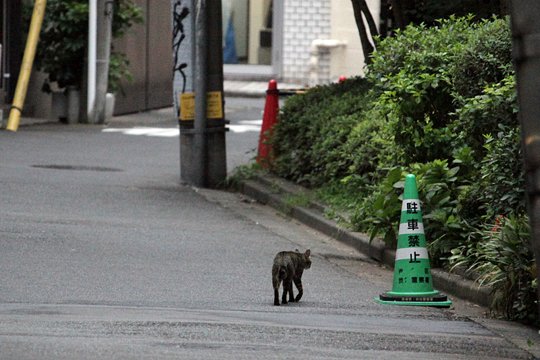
199, 170
91, 61
215, 129
105, 9
198, 89
99, 51
526, 53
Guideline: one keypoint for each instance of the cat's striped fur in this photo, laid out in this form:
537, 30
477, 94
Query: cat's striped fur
288, 267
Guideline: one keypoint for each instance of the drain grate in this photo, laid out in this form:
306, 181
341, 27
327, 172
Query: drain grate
77, 168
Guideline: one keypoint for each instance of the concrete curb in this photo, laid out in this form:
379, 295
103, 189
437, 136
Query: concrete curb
280, 194
245, 94
27, 121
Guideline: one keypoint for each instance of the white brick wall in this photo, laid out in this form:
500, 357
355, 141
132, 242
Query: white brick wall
303, 22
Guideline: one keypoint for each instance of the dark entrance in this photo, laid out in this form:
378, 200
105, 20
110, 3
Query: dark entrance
11, 48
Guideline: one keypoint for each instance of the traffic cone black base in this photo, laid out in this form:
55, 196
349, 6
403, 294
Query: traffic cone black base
437, 299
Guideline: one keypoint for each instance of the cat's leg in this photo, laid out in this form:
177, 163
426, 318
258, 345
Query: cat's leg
287, 284
291, 295
275, 284
298, 283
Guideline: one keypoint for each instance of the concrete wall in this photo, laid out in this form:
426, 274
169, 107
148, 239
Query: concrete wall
149, 49
37, 103
348, 61
303, 22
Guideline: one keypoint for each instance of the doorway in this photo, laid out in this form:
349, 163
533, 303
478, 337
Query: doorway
2, 49
247, 32
11, 49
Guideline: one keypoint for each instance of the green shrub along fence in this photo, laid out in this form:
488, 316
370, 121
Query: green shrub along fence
439, 102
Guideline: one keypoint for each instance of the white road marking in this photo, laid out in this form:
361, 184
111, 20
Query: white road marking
145, 131
243, 126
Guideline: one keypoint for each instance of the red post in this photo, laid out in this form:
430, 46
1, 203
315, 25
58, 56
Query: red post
271, 109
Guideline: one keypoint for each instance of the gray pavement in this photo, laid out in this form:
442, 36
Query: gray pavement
104, 254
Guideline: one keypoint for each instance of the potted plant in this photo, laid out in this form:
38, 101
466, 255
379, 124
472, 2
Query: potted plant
61, 51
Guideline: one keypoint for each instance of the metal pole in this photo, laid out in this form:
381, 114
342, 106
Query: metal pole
216, 147
201, 78
526, 53
202, 131
26, 67
103, 51
92, 39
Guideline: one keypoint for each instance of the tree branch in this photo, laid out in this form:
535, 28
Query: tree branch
367, 46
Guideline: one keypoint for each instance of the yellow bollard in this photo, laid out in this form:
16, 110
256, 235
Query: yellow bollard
26, 66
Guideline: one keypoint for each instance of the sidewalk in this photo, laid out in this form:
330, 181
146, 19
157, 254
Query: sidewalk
232, 88
26, 121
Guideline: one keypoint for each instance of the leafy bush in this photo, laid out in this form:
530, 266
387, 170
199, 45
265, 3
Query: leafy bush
504, 261
418, 72
500, 190
418, 49
371, 147
378, 213
313, 127
64, 36
485, 58
62, 44
438, 188
441, 103
483, 114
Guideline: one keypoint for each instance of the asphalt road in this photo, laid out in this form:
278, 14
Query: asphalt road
103, 254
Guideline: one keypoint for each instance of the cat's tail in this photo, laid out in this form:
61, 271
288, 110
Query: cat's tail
282, 272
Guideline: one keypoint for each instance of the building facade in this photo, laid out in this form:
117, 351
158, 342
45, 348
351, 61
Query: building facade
306, 42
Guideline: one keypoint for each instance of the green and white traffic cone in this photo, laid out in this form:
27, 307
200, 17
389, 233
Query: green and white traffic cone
412, 273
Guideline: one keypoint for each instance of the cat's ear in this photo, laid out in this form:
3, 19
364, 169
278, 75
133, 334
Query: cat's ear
308, 253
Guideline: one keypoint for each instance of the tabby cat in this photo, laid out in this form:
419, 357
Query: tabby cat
288, 267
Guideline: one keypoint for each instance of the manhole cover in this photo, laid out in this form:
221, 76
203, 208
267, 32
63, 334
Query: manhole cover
77, 168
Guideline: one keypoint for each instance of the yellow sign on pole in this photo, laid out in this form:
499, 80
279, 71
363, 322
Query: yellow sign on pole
187, 106
214, 106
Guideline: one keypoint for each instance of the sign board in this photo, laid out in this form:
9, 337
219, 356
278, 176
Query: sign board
214, 106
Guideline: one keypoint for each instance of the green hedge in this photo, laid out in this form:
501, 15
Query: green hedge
309, 138
439, 102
